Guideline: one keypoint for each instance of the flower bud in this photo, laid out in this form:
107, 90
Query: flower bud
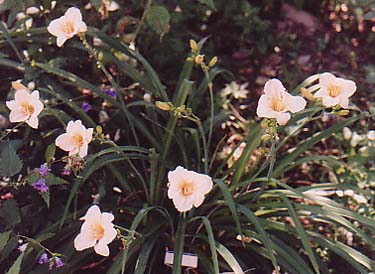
199, 59
343, 112
307, 94
266, 137
99, 130
193, 46
213, 62
163, 105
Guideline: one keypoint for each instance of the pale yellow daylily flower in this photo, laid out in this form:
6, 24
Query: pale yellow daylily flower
187, 188
76, 138
67, 26
276, 102
97, 231
25, 107
335, 90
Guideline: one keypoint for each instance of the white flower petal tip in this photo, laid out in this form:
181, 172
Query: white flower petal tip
97, 231
76, 139
276, 102
67, 26
335, 90
187, 188
25, 107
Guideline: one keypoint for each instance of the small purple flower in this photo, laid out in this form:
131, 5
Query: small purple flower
40, 185
22, 248
66, 171
86, 107
43, 259
58, 262
43, 170
110, 92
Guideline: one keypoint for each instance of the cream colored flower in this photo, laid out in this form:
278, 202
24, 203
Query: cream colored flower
97, 231
67, 26
334, 90
187, 188
276, 102
235, 90
371, 135
76, 139
25, 107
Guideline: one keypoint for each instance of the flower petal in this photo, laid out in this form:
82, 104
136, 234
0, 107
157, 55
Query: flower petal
33, 121
18, 115
295, 103
264, 107
93, 214
349, 87
106, 218
326, 79
12, 104
22, 96
102, 249
55, 27
282, 118
274, 88
60, 41
73, 15
110, 234
83, 150
65, 142
84, 241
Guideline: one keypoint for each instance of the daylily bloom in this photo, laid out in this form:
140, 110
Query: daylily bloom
335, 90
276, 102
76, 139
67, 26
187, 188
97, 231
25, 107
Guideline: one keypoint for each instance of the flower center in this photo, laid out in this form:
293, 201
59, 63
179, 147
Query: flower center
277, 104
334, 91
97, 231
68, 27
187, 188
28, 109
78, 140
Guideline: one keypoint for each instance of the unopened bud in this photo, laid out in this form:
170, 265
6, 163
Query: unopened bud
213, 62
266, 137
343, 112
264, 123
163, 105
100, 56
307, 94
99, 130
199, 59
193, 46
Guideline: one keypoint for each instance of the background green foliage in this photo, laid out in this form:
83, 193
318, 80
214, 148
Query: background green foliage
258, 216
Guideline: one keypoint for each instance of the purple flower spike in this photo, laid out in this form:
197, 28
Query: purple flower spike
86, 107
110, 92
43, 170
43, 259
40, 185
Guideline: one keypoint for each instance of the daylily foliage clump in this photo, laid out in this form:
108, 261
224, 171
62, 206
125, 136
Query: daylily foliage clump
181, 175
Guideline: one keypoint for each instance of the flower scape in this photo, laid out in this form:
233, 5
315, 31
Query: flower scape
127, 146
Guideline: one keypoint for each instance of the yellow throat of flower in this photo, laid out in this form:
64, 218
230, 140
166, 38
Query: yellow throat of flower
277, 104
334, 90
78, 140
187, 188
97, 231
68, 27
28, 109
